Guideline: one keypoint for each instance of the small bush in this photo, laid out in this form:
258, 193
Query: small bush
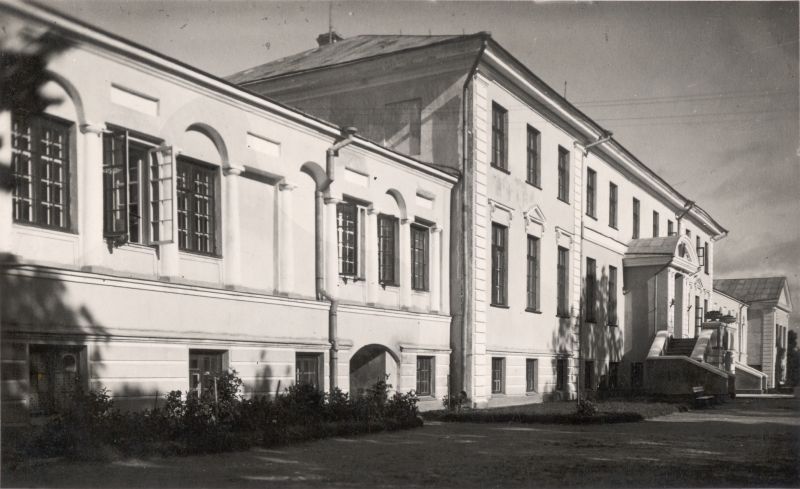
456, 402
586, 408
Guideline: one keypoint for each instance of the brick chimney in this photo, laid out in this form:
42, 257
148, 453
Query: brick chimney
328, 38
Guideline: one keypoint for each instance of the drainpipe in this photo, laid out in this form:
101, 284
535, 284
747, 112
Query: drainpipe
322, 294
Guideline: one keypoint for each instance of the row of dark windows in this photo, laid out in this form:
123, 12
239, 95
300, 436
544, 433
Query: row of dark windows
500, 269
498, 379
351, 235
533, 151
135, 179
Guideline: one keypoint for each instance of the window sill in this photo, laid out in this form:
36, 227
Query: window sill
426, 397
420, 291
532, 393
563, 316
591, 216
501, 169
498, 394
42, 227
500, 306
564, 201
195, 254
615, 228
533, 185
384, 285
534, 311
612, 325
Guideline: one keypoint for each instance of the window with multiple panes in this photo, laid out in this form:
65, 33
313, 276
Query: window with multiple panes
591, 193
562, 282
561, 374
419, 257
670, 228
531, 375
591, 288
387, 249
308, 369
655, 224
499, 264
197, 206
612, 296
348, 234
563, 174
425, 376
499, 137
40, 170
698, 312
588, 374
636, 218
533, 152
204, 367
533, 274
701, 252
137, 190
498, 375
707, 260
54, 377
612, 205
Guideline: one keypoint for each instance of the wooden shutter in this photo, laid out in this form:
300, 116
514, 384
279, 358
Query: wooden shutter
162, 195
115, 185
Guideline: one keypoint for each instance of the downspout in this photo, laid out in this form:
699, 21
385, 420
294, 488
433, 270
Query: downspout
466, 141
322, 294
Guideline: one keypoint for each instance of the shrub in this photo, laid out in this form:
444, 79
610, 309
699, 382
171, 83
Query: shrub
586, 408
456, 402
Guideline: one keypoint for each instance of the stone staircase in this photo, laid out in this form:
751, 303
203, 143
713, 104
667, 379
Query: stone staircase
680, 347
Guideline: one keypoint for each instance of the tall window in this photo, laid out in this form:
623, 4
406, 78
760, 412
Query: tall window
635, 218
204, 366
705, 307
498, 375
561, 374
655, 224
562, 282
698, 313
670, 228
531, 375
499, 264
591, 287
563, 174
425, 376
196, 184
499, 137
612, 205
591, 193
701, 252
588, 374
612, 296
707, 260
308, 369
387, 246
40, 170
534, 150
347, 230
533, 274
419, 257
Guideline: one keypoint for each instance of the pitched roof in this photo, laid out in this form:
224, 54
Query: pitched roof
664, 245
752, 289
354, 48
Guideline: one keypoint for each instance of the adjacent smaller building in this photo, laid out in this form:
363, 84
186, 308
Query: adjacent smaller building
768, 307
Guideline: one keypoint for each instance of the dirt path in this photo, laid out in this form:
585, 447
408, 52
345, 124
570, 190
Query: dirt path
746, 443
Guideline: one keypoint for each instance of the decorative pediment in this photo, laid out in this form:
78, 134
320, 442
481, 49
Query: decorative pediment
500, 212
534, 221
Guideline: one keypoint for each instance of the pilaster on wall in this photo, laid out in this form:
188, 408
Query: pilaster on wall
477, 356
577, 160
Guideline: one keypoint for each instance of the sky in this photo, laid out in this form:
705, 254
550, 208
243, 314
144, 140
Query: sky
704, 93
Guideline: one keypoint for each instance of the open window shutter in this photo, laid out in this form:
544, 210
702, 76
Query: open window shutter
115, 185
701, 255
162, 195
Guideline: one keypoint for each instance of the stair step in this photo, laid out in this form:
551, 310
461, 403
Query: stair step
681, 346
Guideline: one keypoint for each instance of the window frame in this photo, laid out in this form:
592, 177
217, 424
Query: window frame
591, 290
591, 193
531, 375
386, 222
670, 227
359, 210
37, 125
499, 265
318, 373
498, 376
214, 197
636, 216
533, 154
563, 174
420, 257
656, 224
707, 260
612, 316
431, 392
588, 375
562, 283
701, 252
221, 355
561, 374
533, 274
613, 205
499, 137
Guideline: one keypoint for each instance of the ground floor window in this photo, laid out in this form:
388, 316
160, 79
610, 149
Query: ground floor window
588, 375
425, 376
561, 374
54, 375
498, 375
205, 369
308, 369
531, 375
637, 375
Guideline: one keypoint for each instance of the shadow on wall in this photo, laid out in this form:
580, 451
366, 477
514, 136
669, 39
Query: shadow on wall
601, 336
562, 344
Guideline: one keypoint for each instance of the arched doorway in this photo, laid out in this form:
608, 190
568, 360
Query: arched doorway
369, 365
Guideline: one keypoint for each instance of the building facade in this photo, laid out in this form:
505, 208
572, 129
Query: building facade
164, 226
569, 254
